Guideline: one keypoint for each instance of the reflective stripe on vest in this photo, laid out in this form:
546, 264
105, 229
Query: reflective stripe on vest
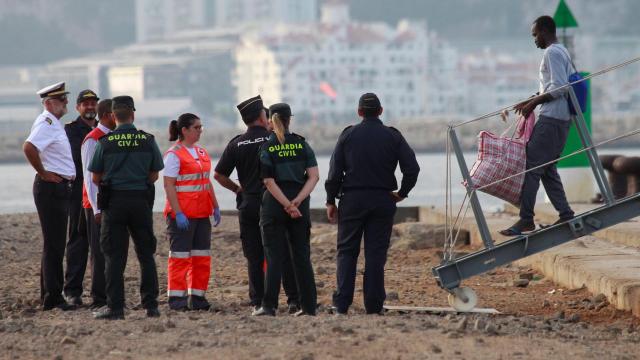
192, 188
189, 177
192, 183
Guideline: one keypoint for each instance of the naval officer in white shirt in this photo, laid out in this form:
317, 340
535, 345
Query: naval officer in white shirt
48, 150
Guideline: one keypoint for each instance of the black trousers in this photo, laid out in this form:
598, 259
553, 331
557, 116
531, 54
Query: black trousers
369, 213
249, 217
129, 213
98, 282
282, 236
52, 203
546, 143
78, 244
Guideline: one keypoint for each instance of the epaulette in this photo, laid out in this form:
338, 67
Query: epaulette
347, 128
394, 129
48, 121
235, 137
299, 136
146, 133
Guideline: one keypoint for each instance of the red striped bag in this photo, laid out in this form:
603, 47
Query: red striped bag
500, 157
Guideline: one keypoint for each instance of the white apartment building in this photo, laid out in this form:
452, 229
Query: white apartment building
157, 19
321, 69
494, 81
240, 12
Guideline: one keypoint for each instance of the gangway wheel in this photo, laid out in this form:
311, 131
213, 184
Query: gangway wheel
463, 299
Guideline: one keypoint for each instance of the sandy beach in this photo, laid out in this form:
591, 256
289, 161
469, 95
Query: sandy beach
540, 320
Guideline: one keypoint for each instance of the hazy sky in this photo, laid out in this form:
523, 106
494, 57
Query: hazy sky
38, 31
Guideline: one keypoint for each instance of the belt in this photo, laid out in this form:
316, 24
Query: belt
67, 177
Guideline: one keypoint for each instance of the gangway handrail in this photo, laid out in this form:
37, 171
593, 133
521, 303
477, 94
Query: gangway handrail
450, 273
590, 76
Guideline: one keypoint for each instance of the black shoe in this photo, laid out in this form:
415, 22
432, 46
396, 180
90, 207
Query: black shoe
96, 305
153, 312
334, 310
109, 314
64, 306
178, 303
263, 311
303, 313
293, 308
519, 227
74, 300
196, 302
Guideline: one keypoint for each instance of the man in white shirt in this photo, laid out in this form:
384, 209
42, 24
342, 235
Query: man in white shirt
48, 150
550, 132
90, 203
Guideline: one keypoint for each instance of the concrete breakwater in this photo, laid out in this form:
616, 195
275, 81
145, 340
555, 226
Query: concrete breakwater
424, 135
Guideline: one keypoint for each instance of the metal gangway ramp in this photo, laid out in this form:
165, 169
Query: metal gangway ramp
450, 273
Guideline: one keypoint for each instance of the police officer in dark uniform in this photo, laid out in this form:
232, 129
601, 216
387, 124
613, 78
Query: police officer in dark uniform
78, 243
242, 154
361, 174
126, 163
49, 153
289, 171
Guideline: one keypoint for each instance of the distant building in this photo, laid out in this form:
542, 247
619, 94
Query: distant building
240, 12
494, 81
157, 19
321, 69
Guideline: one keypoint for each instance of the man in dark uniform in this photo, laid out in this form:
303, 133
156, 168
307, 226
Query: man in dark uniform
362, 175
126, 162
242, 154
48, 151
78, 243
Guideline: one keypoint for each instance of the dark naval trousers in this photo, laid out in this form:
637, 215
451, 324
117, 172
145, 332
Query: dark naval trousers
52, 203
546, 143
78, 244
249, 217
369, 213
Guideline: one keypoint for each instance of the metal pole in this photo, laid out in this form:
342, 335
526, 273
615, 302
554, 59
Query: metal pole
473, 198
592, 155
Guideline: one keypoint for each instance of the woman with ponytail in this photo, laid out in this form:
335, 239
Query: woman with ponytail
290, 172
190, 202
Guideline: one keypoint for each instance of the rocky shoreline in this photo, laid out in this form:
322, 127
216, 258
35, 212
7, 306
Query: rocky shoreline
537, 320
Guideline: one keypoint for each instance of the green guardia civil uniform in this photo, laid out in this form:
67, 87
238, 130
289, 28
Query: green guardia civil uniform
287, 164
126, 157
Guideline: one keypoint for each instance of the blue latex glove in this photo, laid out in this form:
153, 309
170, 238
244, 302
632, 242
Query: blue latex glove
216, 216
182, 221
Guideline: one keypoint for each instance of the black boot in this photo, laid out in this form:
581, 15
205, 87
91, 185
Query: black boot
198, 303
109, 314
178, 303
263, 311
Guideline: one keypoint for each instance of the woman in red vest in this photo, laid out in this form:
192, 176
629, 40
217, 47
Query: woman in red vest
190, 202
